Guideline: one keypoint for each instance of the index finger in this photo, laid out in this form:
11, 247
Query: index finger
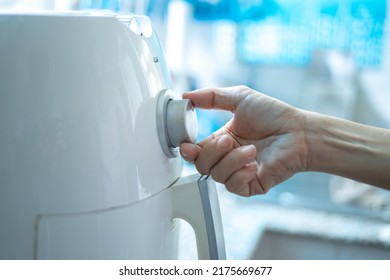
217, 98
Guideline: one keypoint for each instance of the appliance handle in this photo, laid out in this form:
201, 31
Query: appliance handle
195, 200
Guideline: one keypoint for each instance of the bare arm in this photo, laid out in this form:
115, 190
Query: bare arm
348, 149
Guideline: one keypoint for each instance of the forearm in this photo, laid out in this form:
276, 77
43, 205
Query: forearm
348, 149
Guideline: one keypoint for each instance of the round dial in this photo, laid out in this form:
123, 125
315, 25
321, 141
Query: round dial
176, 122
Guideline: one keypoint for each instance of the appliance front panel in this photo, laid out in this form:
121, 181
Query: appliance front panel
136, 231
78, 124
78, 113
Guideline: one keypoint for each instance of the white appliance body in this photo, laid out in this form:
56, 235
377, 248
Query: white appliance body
82, 171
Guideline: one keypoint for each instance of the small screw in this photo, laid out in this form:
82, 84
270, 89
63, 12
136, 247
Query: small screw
155, 59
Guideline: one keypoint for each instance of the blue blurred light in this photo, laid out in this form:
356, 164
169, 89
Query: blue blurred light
290, 36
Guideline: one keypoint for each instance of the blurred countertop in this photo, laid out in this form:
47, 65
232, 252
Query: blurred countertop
246, 219
302, 206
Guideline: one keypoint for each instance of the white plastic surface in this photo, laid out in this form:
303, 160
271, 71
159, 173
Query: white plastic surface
176, 122
129, 232
195, 200
182, 123
77, 121
135, 232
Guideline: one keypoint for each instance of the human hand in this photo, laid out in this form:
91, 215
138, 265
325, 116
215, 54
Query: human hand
261, 146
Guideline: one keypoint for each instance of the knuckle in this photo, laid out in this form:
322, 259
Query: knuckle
238, 189
217, 176
202, 169
242, 87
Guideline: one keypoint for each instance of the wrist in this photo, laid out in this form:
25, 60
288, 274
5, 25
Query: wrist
317, 156
331, 142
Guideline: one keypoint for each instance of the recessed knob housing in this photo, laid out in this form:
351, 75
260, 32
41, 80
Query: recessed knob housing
176, 122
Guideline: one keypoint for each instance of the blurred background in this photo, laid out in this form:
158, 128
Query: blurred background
329, 56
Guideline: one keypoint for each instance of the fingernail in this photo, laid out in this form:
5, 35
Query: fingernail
249, 150
223, 142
